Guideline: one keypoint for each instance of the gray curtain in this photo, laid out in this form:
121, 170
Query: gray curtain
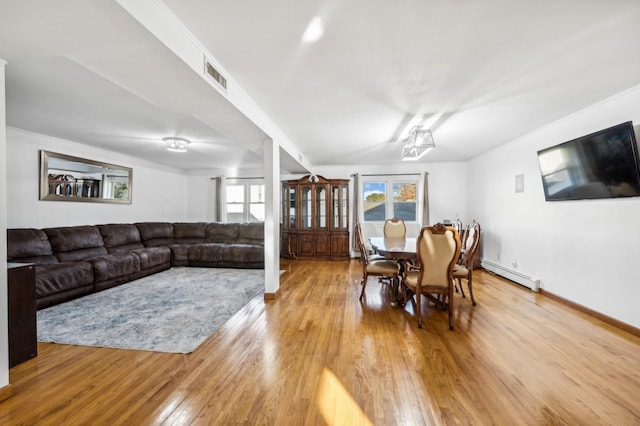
221, 183
425, 200
356, 208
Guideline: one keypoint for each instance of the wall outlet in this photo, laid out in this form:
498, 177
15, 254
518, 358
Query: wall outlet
498, 256
515, 263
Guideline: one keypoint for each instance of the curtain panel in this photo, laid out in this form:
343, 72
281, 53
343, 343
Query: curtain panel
425, 200
219, 198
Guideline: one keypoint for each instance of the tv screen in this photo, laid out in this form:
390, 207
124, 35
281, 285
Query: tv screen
604, 164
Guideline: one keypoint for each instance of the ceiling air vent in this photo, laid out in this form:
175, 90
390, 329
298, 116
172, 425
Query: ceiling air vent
216, 75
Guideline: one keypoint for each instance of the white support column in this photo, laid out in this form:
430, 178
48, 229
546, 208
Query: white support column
271, 219
4, 311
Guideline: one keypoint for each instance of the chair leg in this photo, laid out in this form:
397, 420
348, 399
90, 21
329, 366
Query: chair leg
461, 290
451, 307
419, 308
470, 285
363, 282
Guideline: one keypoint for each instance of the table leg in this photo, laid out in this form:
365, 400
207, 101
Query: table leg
399, 299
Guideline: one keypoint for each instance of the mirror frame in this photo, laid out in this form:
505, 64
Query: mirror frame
70, 168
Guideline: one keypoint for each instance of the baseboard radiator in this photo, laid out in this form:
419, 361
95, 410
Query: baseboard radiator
510, 274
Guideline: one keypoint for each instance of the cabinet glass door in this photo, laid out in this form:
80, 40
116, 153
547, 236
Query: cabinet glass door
335, 205
321, 207
292, 207
284, 207
344, 208
305, 207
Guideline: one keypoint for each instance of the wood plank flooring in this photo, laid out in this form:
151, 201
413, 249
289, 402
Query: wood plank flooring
317, 355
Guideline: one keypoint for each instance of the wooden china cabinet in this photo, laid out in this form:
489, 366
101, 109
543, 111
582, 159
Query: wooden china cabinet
315, 216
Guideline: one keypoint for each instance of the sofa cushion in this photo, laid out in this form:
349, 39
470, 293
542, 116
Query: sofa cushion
152, 257
189, 233
226, 233
115, 266
27, 245
121, 237
206, 254
243, 254
62, 277
180, 254
73, 243
251, 233
46, 279
155, 234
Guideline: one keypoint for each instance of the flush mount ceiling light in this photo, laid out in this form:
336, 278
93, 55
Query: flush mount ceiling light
419, 143
176, 144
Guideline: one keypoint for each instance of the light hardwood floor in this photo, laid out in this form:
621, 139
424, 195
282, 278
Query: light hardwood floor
317, 355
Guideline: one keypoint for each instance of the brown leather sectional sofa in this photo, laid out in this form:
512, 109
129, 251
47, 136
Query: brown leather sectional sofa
75, 261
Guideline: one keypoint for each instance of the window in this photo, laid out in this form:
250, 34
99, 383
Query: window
395, 196
256, 203
245, 201
374, 203
235, 203
404, 201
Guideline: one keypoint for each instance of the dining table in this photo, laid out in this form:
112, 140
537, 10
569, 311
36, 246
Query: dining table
401, 249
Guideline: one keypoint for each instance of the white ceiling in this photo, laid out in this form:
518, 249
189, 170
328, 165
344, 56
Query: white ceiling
479, 73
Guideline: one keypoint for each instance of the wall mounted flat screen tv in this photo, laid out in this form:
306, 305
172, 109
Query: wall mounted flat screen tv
604, 164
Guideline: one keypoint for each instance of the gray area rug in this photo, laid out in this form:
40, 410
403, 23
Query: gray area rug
172, 311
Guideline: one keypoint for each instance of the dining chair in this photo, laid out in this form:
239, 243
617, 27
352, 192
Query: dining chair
394, 228
385, 268
464, 268
438, 249
372, 255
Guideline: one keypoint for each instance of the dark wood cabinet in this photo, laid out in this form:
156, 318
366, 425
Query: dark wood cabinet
21, 285
315, 213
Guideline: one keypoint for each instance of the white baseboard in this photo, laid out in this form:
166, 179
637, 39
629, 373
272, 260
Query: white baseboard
510, 274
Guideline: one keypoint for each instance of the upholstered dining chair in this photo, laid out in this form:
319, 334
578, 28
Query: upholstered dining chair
464, 268
438, 249
394, 228
385, 268
372, 255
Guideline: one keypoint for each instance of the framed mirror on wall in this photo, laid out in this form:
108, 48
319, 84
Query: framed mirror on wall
67, 178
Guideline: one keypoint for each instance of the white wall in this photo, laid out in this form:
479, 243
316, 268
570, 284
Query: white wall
585, 251
159, 193
201, 200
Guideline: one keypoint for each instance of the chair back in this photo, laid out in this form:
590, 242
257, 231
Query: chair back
457, 225
394, 228
438, 249
462, 233
471, 243
361, 245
